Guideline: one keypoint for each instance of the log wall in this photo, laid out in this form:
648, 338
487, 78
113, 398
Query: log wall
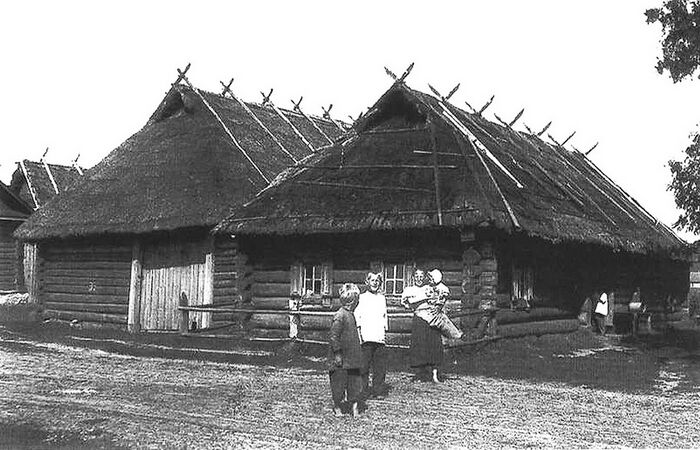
85, 280
11, 277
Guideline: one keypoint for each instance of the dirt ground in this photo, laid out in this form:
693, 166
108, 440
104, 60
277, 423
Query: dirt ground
62, 387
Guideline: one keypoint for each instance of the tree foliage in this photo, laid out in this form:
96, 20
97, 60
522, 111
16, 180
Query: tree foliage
686, 187
680, 21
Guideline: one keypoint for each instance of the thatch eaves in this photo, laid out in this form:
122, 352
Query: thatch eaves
487, 175
181, 170
12, 207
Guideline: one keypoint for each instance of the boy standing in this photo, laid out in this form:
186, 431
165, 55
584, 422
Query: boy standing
372, 324
345, 358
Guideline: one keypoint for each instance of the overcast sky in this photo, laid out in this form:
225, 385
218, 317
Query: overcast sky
81, 77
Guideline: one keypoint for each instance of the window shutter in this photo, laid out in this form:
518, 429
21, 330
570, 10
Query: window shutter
327, 279
296, 281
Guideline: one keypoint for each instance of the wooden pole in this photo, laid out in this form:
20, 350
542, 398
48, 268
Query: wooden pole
134, 314
257, 120
223, 125
208, 281
436, 178
297, 108
183, 323
300, 135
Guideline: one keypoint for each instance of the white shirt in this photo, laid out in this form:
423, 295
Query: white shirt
602, 306
371, 318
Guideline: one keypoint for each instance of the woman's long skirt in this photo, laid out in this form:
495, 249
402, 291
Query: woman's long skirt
426, 344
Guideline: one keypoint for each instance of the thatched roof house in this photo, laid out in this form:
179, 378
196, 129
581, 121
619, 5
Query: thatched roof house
13, 211
144, 212
423, 182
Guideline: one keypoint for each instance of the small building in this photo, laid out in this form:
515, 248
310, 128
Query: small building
13, 212
131, 240
33, 184
511, 220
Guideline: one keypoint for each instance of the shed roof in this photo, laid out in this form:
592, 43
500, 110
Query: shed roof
36, 182
419, 162
199, 154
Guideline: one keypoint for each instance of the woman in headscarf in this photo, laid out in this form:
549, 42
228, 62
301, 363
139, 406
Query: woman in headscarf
426, 341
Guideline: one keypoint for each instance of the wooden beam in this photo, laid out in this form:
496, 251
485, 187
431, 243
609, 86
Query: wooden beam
297, 108
379, 166
300, 135
134, 314
29, 184
327, 115
257, 120
223, 125
361, 186
436, 172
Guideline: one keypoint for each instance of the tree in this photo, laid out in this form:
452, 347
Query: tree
686, 187
680, 22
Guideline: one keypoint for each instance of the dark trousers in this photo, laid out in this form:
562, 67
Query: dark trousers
600, 323
345, 381
374, 359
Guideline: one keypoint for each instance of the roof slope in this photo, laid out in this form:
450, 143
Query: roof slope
32, 181
11, 206
182, 169
487, 174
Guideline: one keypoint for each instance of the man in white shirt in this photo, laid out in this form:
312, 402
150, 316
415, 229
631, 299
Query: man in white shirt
372, 324
601, 312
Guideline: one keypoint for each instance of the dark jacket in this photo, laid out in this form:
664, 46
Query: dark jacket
345, 340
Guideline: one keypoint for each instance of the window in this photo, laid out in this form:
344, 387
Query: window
394, 278
313, 279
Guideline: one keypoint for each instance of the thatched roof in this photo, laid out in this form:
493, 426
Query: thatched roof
384, 178
12, 207
182, 169
36, 182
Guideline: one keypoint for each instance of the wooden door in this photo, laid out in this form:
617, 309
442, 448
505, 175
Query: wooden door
171, 267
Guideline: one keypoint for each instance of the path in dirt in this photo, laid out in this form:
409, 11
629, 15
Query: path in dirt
56, 394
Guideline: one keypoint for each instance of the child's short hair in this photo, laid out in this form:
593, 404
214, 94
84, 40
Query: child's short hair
349, 292
375, 274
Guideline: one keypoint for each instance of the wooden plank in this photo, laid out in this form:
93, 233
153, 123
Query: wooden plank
80, 298
133, 312
272, 276
89, 265
281, 303
84, 281
48, 271
83, 316
106, 308
270, 321
95, 289
270, 289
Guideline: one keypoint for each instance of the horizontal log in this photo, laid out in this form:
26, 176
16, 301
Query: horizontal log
88, 307
505, 316
400, 324
83, 281
75, 298
89, 273
225, 282
88, 265
271, 289
537, 328
269, 321
88, 257
272, 276
269, 333
315, 322
221, 266
281, 303
85, 316
86, 289
225, 292
349, 276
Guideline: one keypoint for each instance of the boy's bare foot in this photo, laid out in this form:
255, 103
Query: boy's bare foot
355, 411
435, 376
337, 411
